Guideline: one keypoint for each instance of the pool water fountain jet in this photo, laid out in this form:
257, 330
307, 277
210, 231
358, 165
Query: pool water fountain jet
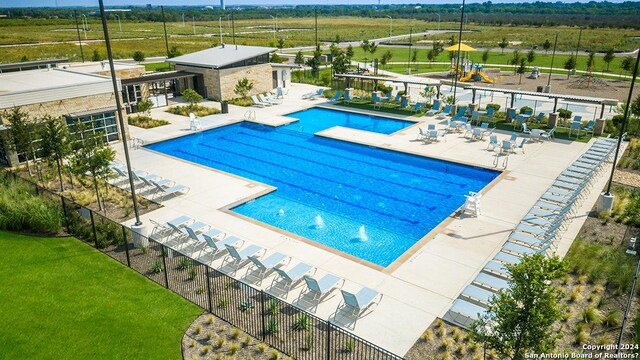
281, 212
319, 221
362, 234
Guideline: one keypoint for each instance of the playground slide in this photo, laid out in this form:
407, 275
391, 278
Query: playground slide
468, 76
485, 78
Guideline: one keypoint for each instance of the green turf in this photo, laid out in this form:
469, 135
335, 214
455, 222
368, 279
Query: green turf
159, 66
62, 299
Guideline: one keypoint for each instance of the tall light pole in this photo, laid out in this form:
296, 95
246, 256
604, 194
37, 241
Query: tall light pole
79, 39
116, 94
438, 21
220, 25
85, 25
315, 14
390, 26
119, 23
193, 21
164, 25
553, 55
455, 81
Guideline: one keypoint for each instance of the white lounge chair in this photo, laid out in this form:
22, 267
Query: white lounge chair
257, 102
266, 100
360, 301
169, 190
237, 257
291, 276
219, 246
260, 267
317, 95
322, 287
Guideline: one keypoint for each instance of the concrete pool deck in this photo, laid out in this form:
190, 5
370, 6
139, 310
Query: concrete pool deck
423, 283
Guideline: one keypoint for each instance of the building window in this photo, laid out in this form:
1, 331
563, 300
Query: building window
102, 122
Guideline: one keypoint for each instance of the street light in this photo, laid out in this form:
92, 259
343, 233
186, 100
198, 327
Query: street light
390, 26
85, 25
220, 25
555, 43
438, 21
78, 32
275, 25
119, 23
114, 81
455, 77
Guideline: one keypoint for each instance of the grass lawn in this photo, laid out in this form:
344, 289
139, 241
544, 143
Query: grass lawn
62, 299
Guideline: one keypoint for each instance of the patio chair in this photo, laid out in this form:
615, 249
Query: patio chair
292, 276
360, 301
260, 267
432, 136
549, 134
435, 109
493, 142
528, 112
478, 134
149, 179
535, 134
404, 102
320, 288
446, 112
460, 114
163, 228
280, 93
272, 99
236, 257
475, 294
431, 126
256, 102
265, 100
336, 96
377, 102
310, 94
177, 226
577, 118
421, 134
490, 282
521, 145
575, 126
317, 95
490, 112
194, 122
169, 190
520, 120
525, 129
511, 114
219, 246
417, 107
538, 119
475, 117
468, 130
589, 127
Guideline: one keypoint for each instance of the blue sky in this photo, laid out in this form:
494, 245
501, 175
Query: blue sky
53, 3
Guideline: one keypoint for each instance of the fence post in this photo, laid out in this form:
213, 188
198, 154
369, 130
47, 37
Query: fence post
126, 244
328, 340
209, 290
164, 264
93, 227
65, 214
264, 326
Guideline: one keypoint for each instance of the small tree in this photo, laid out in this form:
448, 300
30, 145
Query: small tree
314, 62
276, 59
96, 56
243, 86
145, 106
414, 57
452, 40
192, 97
339, 63
386, 57
503, 44
55, 143
428, 93
333, 49
520, 318
365, 45
591, 61
569, 65
21, 134
627, 64
174, 52
349, 53
431, 55
515, 60
299, 60
485, 56
91, 154
608, 57
546, 46
531, 56
338, 39
138, 56
521, 69
438, 47
281, 41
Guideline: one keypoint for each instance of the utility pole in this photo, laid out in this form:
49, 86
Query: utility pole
455, 82
116, 94
233, 29
578, 47
79, 39
315, 11
220, 25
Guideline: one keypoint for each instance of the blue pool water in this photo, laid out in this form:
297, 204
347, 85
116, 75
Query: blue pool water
317, 119
371, 203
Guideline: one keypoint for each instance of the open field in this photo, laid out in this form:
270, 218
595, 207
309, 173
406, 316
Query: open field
148, 37
63, 299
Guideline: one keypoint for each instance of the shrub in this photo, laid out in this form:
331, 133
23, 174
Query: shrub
612, 319
210, 320
156, 267
245, 341
261, 348
185, 263
223, 302
241, 101
233, 348
427, 336
592, 316
581, 338
308, 341
219, 342
349, 346
242, 88
198, 329
209, 335
495, 107
145, 122
564, 113
275, 355
198, 110
524, 109
273, 308
205, 350
22, 210
235, 333
302, 322
272, 326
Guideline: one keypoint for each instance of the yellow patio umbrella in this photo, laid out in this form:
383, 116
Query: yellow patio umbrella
463, 47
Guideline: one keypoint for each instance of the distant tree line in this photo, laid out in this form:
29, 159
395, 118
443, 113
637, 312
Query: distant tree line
592, 14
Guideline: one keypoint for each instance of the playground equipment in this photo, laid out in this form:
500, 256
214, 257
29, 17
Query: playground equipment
476, 74
453, 71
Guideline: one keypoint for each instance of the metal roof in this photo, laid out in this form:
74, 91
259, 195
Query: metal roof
220, 56
93, 111
167, 75
577, 98
31, 64
395, 80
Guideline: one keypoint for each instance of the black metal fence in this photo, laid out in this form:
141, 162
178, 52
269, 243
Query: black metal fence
283, 326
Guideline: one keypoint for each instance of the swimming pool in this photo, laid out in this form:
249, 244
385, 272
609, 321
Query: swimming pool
368, 202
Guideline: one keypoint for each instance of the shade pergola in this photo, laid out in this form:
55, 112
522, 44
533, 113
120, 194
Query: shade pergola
463, 47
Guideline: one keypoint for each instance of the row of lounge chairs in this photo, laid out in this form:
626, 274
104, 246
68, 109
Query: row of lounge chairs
188, 236
159, 187
264, 100
538, 232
